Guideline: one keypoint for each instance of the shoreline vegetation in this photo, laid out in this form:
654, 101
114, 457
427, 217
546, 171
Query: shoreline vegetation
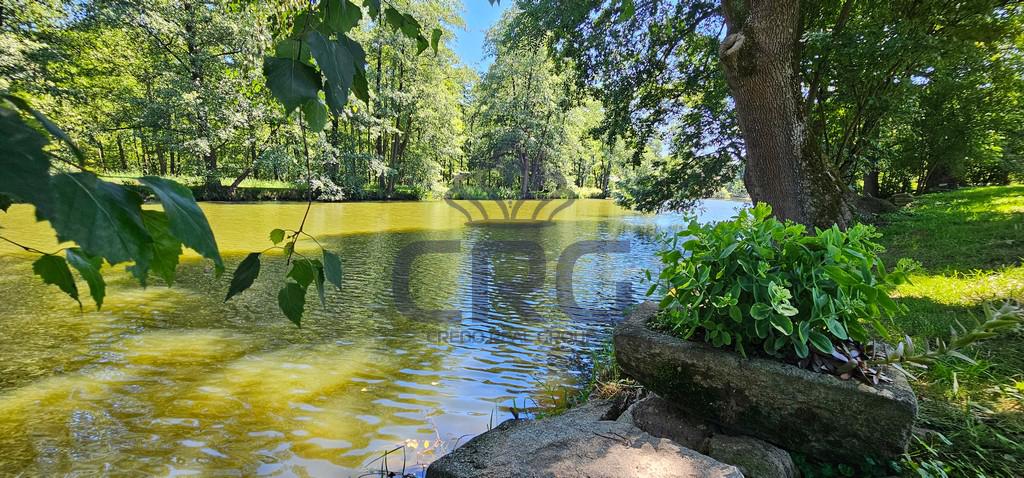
971, 418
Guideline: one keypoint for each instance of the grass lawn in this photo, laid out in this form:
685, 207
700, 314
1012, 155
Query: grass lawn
198, 180
970, 244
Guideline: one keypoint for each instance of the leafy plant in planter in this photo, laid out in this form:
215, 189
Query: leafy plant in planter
757, 282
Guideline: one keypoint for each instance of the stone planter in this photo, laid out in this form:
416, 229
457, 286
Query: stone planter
799, 410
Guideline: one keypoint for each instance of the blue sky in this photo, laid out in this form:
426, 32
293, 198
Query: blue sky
469, 45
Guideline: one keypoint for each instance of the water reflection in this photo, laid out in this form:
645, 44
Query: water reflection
176, 382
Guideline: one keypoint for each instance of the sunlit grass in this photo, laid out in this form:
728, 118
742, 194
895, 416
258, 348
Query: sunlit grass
970, 244
198, 180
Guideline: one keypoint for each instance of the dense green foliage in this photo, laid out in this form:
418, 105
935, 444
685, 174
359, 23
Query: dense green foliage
212, 90
756, 281
898, 96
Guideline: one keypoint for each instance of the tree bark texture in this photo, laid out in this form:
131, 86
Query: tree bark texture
784, 163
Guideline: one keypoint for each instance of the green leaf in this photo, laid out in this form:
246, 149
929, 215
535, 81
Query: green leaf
246, 273
728, 250
782, 324
339, 16
404, 23
840, 276
373, 8
103, 218
421, 44
162, 254
760, 311
188, 223
803, 330
786, 309
293, 49
89, 269
319, 281
292, 300
887, 303
337, 60
26, 168
435, 38
276, 236
735, 314
48, 125
800, 347
315, 114
5, 202
821, 342
836, 328
303, 272
761, 328
332, 268
291, 82
360, 87
54, 270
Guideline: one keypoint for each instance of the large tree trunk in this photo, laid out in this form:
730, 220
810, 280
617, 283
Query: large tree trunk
784, 163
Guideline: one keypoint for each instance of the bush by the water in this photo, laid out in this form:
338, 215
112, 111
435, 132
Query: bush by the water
757, 282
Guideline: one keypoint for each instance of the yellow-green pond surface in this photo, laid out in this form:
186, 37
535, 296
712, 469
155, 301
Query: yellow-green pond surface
173, 381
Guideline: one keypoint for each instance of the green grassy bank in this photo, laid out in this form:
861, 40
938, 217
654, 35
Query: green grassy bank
970, 244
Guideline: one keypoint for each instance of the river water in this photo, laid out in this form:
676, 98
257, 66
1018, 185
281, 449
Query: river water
173, 381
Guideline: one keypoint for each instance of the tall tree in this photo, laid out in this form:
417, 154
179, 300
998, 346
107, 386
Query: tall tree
802, 76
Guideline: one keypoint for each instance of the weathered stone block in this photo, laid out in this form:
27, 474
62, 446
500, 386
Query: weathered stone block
796, 409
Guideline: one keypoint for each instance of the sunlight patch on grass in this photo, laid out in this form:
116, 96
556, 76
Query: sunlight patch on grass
971, 246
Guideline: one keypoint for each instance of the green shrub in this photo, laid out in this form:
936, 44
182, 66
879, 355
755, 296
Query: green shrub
757, 282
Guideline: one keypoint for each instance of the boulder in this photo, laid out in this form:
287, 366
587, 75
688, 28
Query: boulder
790, 407
755, 458
576, 443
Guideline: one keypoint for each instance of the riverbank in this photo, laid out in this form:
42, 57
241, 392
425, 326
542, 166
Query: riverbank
970, 244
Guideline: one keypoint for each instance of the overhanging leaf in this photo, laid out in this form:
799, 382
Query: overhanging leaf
188, 223
293, 49
245, 274
163, 253
54, 270
291, 82
360, 87
276, 236
303, 272
339, 16
332, 268
435, 37
315, 114
48, 125
89, 269
292, 300
338, 64
103, 218
373, 8
421, 44
26, 169
319, 281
